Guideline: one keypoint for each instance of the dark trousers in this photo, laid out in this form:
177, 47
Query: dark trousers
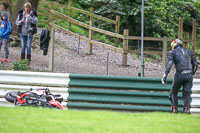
181, 80
5, 43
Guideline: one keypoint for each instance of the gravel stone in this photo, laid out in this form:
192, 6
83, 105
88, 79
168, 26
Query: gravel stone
74, 59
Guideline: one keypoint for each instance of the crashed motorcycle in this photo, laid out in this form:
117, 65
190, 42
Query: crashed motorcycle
40, 98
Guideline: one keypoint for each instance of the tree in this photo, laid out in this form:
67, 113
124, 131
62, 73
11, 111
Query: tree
7, 6
160, 17
34, 4
93, 3
17, 8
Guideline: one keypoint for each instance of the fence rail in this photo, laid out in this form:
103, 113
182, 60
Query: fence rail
99, 92
120, 50
125, 37
81, 11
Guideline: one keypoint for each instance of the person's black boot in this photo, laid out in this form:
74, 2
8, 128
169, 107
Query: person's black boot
22, 56
29, 58
174, 109
186, 110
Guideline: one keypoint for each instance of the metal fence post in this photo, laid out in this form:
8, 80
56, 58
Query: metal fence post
164, 53
107, 62
51, 60
79, 40
90, 31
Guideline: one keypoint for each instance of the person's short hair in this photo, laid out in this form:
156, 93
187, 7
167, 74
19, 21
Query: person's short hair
27, 4
4, 14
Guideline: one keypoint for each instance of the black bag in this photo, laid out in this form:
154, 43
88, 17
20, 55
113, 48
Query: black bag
44, 41
34, 26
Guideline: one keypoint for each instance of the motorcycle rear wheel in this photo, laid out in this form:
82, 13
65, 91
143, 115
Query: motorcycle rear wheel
11, 96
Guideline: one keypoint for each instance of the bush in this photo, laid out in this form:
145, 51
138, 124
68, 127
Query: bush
13, 44
20, 65
42, 25
102, 38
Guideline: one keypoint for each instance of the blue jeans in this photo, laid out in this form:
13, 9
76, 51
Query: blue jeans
26, 42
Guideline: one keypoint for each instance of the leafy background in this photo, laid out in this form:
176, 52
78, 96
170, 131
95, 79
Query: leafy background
161, 18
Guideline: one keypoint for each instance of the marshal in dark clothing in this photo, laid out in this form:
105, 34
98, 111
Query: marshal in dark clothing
186, 66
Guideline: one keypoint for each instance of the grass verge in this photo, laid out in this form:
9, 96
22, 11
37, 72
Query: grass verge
42, 120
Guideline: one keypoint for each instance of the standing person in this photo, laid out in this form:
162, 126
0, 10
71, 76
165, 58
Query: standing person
186, 66
27, 27
5, 30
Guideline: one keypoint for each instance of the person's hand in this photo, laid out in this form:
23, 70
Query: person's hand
164, 79
22, 21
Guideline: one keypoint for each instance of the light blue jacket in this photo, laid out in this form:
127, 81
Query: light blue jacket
5, 29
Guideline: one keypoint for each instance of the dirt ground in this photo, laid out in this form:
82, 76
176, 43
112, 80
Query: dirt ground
71, 58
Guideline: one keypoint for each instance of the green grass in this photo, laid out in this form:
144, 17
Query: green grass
40, 120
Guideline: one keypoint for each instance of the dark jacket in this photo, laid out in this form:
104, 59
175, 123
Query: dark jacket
183, 59
44, 41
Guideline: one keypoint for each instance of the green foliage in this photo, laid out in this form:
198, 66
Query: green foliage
13, 44
150, 58
20, 65
156, 57
165, 16
92, 3
42, 25
36, 37
62, 1
43, 5
40, 17
160, 17
134, 55
102, 38
146, 59
79, 30
57, 8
